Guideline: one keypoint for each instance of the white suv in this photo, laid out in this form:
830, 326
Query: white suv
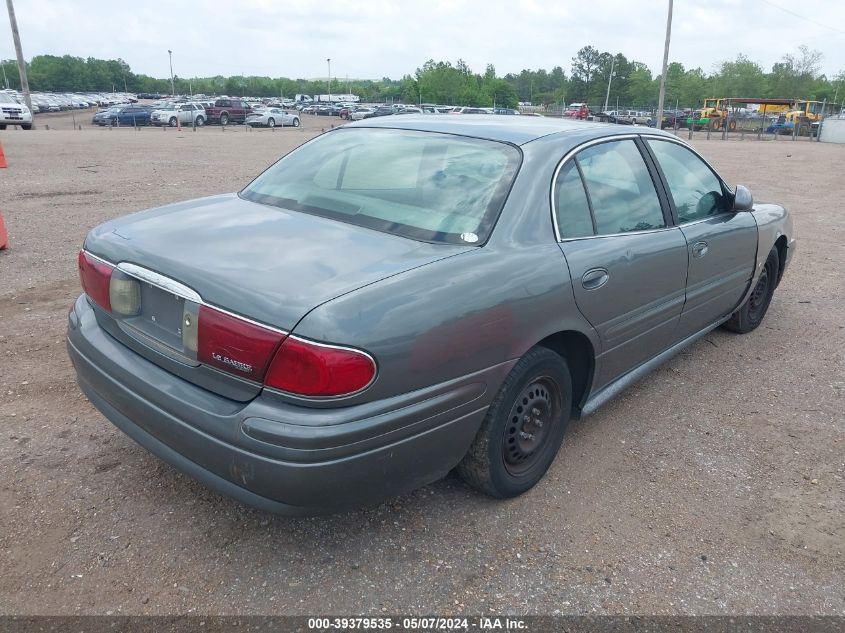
187, 113
13, 113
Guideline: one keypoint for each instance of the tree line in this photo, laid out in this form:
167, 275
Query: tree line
796, 75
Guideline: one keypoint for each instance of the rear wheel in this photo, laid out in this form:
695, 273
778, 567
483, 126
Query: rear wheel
751, 314
200, 121
296, 123
172, 121
2, 126
523, 429
224, 119
271, 122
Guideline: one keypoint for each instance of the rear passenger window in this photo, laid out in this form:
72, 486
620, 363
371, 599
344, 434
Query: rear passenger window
695, 189
620, 188
571, 205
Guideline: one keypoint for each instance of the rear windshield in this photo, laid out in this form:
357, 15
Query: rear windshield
421, 185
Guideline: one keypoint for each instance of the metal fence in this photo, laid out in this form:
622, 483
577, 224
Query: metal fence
752, 127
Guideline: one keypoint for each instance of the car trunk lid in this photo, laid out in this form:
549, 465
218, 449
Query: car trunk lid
267, 264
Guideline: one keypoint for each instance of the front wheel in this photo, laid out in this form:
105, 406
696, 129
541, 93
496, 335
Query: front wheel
200, 121
172, 121
296, 123
751, 314
523, 429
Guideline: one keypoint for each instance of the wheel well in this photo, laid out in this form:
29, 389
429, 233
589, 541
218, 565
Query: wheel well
577, 351
780, 244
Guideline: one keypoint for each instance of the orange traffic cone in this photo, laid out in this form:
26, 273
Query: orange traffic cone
4, 235
2, 157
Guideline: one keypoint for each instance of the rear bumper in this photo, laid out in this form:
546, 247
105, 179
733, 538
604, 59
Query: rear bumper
271, 454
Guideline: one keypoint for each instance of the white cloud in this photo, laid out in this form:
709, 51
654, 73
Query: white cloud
373, 39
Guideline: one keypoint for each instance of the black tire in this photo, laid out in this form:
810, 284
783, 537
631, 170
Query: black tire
2, 126
114, 122
732, 126
200, 121
224, 119
271, 122
751, 314
172, 122
523, 429
296, 122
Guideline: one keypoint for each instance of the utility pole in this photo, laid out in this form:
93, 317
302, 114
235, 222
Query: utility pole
19, 52
172, 86
609, 80
659, 117
329, 62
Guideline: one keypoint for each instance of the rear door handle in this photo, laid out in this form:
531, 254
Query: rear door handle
595, 278
699, 249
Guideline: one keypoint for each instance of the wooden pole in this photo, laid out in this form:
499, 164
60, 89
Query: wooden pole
19, 52
659, 117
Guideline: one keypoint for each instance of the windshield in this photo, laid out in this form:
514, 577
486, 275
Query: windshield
6, 98
421, 185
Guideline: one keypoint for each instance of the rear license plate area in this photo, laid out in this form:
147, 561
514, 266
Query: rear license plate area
160, 318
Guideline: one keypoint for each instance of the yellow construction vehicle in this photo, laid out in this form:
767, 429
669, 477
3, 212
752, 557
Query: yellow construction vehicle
805, 116
713, 114
716, 113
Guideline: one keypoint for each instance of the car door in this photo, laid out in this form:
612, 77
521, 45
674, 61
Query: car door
628, 263
722, 243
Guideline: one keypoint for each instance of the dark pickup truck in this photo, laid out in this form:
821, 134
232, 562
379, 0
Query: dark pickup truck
225, 111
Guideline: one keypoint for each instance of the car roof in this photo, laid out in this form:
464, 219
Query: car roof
516, 130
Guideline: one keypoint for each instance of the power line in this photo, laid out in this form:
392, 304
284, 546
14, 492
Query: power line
802, 17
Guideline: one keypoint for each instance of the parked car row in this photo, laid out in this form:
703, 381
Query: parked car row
13, 112
356, 112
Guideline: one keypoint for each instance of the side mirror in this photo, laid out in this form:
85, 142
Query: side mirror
743, 200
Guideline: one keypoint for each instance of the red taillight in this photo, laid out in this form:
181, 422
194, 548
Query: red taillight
310, 369
235, 345
95, 276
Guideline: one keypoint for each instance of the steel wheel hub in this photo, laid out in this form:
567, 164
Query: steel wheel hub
529, 424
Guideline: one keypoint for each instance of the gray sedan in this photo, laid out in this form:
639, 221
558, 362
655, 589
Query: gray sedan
403, 296
271, 117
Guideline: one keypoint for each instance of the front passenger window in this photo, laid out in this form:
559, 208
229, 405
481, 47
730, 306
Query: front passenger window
696, 190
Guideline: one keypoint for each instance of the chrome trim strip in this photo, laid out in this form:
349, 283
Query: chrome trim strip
160, 281
99, 259
241, 317
662, 229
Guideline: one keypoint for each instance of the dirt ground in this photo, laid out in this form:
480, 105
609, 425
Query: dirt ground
714, 486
